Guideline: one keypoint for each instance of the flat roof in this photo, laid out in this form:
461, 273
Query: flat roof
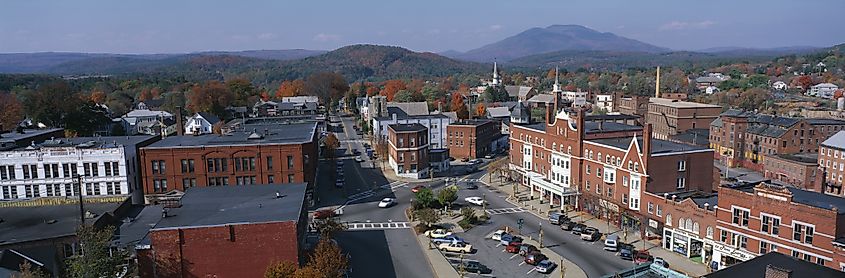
476, 122
221, 205
407, 127
599, 127
657, 146
405, 116
680, 104
756, 268
23, 224
805, 158
799, 196
14, 136
100, 142
610, 117
295, 133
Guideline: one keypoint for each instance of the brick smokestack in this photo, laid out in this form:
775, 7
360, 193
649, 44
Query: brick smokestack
180, 125
646, 145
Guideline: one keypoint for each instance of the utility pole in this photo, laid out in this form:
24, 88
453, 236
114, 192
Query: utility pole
78, 179
462, 265
562, 269
541, 234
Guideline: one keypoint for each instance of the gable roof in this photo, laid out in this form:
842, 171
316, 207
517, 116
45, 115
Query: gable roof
208, 117
518, 91
836, 141
542, 98
498, 112
520, 111
410, 108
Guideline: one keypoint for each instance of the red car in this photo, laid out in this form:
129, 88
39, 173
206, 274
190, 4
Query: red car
417, 188
513, 247
323, 214
641, 257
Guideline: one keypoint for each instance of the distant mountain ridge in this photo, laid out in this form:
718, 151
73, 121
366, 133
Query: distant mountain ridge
556, 38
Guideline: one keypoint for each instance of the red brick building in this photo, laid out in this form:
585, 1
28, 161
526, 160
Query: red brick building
604, 168
685, 222
226, 232
408, 147
756, 219
279, 154
799, 170
672, 117
472, 138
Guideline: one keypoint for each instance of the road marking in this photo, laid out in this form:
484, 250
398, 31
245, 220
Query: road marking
504, 210
377, 226
521, 263
514, 255
529, 272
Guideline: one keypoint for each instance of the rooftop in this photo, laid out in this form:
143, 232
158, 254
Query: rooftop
680, 104
409, 108
98, 142
407, 127
799, 196
599, 127
221, 205
806, 158
147, 113
697, 136
296, 133
402, 115
27, 133
542, 98
477, 122
756, 268
498, 112
836, 141
23, 224
657, 146
825, 121
610, 117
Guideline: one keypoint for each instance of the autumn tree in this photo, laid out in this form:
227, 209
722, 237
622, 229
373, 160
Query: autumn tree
98, 97
145, 95
427, 216
243, 91
447, 196
328, 260
211, 96
331, 146
12, 111
391, 87
327, 86
805, 81
97, 259
283, 269
290, 88
328, 227
27, 270
459, 107
480, 110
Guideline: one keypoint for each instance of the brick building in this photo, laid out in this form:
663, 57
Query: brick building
755, 219
285, 153
472, 138
631, 105
408, 146
604, 167
685, 221
226, 232
671, 116
743, 138
799, 169
831, 163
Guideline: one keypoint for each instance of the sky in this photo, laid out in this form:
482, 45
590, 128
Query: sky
180, 26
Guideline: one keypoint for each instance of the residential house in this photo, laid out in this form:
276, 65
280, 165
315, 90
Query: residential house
201, 123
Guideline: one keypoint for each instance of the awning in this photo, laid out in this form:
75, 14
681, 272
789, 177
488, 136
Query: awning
538, 180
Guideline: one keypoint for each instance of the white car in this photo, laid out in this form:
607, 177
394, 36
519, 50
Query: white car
439, 233
475, 201
386, 202
497, 235
460, 247
359, 159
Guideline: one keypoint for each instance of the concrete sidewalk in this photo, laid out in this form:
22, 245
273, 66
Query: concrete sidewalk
542, 210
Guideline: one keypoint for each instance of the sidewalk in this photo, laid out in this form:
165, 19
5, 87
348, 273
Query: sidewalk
676, 261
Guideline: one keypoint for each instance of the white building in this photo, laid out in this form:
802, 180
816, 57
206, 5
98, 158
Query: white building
136, 120
823, 90
436, 124
779, 85
578, 98
605, 102
201, 123
301, 99
107, 166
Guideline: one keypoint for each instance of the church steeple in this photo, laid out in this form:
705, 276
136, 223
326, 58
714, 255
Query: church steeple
556, 87
497, 80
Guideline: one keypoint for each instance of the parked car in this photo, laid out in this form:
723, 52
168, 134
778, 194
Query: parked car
460, 247
417, 188
474, 200
661, 262
438, 233
545, 266
489, 156
386, 202
507, 239
567, 225
465, 159
578, 229
356, 152
475, 161
611, 243
339, 163
556, 218
338, 183
641, 257
471, 186
497, 235
513, 247
535, 258
476, 267
447, 239
526, 249
626, 251
590, 234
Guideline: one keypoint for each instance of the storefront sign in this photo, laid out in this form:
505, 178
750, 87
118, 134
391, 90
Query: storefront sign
732, 251
608, 205
652, 223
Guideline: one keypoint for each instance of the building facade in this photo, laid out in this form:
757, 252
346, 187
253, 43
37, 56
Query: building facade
800, 170
408, 147
107, 166
671, 117
286, 154
472, 138
831, 164
435, 123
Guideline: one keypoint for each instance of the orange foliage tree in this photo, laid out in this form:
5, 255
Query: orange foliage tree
391, 87
458, 106
211, 96
12, 112
290, 88
98, 97
480, 110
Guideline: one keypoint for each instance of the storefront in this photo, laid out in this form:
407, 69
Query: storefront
548, 192
688, 244
726, 255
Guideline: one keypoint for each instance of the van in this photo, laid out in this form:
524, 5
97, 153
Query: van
556, 218
611, 243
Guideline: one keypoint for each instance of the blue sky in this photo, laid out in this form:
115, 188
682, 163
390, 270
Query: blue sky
173, 26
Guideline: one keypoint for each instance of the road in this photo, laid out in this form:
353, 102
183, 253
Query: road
375, 252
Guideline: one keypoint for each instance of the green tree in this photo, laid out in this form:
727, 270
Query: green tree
403, 96
469, 214
242, 90
425, 198
427, 216
86, 117
96, 258
447, 196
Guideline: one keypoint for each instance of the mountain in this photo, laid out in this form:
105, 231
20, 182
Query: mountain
454, 54
42, 62
556, 38
620, 60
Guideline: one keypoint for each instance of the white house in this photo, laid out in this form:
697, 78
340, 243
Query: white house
711, 90
107, 166
823, 90
201, 123
779, 85
605, 102
578, 98
436, 124
135, 121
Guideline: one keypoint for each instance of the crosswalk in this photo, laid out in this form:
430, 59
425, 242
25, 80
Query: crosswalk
504, 211
377, 226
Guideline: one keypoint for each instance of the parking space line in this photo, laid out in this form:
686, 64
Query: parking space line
514, 255
529, 272
521, 263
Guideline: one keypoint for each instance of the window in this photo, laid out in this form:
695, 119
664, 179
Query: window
625, 181
819, 261
189, 182
158, 167
7, 172
681, 182
92, 188
625, 198
290, 162
10, 191
290, 178
588, 169
740, 217
187, 165
30, 171
709, 232
636, 166
682, 165
113, 188
270, 179
269, 163
650, 207
587, 186
31, 191
804, 230
51, 170
723, 236
764, 247
769, 224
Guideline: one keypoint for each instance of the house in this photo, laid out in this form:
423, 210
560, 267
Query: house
138, 121
776, 265
605, 102
201, 123
779, 85
517, 93
823, 90
710, 80
301, 99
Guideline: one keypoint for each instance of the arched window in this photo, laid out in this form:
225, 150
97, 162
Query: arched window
636, 166
598, 156
569, 150
668, 220
709, 232
695, 227
688, 225
681, 223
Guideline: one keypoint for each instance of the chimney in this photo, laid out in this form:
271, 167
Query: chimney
657, 83
394, 117
580, 125
440, 107
646, 145
180, 125
776, 272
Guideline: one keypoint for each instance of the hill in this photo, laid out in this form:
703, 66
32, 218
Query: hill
282, 55
557, 38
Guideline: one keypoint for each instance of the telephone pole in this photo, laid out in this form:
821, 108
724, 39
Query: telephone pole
78, 185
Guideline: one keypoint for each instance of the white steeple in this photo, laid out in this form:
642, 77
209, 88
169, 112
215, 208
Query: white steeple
556, 87
496, 79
